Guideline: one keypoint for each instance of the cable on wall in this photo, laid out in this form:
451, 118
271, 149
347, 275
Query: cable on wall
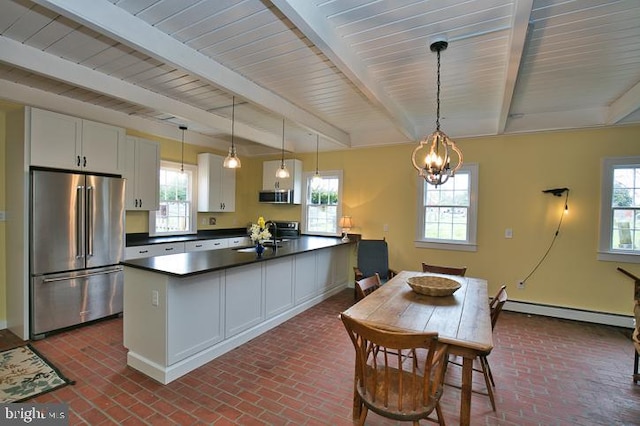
557, 192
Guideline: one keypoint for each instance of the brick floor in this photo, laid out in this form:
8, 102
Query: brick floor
547, 372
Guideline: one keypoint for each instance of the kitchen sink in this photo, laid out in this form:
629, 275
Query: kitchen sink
246, 250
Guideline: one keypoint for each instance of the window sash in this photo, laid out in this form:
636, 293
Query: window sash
321, 212
447, 215
620, 210
177, 214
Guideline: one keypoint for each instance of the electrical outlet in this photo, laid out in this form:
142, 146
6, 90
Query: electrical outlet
520, 285
155, 298
212, 221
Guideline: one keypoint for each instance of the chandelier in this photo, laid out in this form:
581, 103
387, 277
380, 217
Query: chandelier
436, 167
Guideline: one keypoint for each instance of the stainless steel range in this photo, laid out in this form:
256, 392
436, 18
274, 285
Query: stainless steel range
283, 230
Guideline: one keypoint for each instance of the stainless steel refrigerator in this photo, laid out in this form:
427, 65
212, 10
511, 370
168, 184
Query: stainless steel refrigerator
76, 244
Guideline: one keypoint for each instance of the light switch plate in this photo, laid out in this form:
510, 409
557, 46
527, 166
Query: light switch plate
3, 216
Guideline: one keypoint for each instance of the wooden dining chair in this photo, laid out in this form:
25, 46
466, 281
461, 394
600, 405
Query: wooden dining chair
495, 306
366, 286
449, 270
386, 382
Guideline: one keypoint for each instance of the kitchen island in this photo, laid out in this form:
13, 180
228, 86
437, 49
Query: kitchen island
183, 310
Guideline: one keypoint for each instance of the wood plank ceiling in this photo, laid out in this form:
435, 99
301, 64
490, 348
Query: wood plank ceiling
356, 72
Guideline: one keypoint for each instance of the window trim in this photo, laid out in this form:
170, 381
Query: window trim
471, 243
605, 252
193, 229
306, 177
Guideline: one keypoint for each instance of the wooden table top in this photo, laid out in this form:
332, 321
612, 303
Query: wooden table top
462, 320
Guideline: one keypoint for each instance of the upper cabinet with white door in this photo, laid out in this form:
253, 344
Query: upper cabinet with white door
294, 182
216, 185
65, 142
142, 172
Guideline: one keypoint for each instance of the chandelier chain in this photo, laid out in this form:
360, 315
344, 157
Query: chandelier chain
438, 96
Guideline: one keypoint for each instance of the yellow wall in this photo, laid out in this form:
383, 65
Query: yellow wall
380, 187
3, 275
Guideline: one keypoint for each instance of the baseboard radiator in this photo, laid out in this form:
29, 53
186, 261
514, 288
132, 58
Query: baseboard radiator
615, 320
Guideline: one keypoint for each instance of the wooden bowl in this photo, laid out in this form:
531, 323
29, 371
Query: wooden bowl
431, 285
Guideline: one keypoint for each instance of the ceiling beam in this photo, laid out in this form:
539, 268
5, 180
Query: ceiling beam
518, 39
39, 62
626, 104
106, 18
303, 14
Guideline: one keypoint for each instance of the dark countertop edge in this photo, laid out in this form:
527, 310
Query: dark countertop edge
232, 258
143, 238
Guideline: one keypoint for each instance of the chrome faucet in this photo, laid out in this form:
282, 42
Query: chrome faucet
271, 224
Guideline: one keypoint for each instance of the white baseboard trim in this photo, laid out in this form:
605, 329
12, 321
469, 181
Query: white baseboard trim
616, 320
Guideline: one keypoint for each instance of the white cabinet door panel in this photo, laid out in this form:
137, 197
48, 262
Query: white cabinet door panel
305, 276
278, 286
243, 299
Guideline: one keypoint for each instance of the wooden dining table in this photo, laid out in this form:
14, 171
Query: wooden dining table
462, 320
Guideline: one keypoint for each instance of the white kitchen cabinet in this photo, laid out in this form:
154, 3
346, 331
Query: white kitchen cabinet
243, 299
293, 182
64, 142
201, 245
278, 286
216, 185
142, 171
150, 250
239, 241
305, 273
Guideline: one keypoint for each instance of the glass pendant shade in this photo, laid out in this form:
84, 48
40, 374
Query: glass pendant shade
232, 161
437, 149
282, 172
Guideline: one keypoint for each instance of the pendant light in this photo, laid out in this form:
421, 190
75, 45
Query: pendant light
316, 179
183, 128
282, 172
232, 161
436, 168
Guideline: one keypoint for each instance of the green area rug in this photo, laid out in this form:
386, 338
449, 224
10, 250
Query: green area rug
24, 374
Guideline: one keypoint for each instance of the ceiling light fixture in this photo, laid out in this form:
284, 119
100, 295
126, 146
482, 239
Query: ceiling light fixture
282, 172
316, 179
232, 161
183, 128
436, 168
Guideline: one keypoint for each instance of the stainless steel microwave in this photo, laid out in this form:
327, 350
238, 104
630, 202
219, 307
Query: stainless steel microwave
277, 196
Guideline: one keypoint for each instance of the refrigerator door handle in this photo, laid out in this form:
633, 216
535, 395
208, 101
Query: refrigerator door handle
80, 221
89, 221
90, 274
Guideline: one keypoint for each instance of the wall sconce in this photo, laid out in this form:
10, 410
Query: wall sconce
346, 223
558, 193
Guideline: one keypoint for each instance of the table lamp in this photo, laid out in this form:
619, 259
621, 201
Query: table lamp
346, 224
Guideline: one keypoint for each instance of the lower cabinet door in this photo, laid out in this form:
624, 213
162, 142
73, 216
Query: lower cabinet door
243, 299
278, 286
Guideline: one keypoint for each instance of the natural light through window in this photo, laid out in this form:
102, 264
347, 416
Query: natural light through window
448, 211
322, 204
177, 211
620, 210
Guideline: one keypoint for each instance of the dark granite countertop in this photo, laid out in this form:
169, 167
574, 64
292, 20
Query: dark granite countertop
200, 262
143, 238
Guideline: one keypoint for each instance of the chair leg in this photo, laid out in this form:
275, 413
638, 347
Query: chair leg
636, 373
363, 415
485, 371
440, 416
486, 361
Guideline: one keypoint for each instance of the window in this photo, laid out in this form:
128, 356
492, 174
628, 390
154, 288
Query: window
322, 203
447, 213
177, 213
620, 210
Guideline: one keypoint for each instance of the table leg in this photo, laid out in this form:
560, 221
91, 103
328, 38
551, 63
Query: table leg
465, 403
